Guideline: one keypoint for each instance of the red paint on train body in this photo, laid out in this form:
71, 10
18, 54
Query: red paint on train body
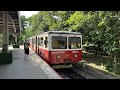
59, 57
44, 54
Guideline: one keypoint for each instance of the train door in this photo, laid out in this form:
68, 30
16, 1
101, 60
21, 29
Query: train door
32, 44
46, 42
36, 44
46, 46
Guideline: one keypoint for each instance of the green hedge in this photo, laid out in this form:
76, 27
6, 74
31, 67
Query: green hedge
16, 46
5, 58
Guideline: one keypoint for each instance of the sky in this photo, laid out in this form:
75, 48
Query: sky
28, 13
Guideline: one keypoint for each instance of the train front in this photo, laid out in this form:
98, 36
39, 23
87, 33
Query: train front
65, 49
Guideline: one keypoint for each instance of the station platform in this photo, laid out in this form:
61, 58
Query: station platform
32, 67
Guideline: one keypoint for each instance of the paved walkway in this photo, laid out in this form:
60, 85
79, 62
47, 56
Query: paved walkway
22, 68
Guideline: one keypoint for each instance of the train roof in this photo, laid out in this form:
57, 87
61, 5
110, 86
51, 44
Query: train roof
58, 32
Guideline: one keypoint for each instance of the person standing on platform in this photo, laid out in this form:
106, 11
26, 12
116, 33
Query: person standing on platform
26, 48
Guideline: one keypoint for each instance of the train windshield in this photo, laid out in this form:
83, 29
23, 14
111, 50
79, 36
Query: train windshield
59, 42
74, 42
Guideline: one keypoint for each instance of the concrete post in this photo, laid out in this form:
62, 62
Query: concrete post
5, 32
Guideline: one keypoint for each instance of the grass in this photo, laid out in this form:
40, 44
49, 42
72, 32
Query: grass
98, 61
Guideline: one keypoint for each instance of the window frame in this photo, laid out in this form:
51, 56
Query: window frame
58, 48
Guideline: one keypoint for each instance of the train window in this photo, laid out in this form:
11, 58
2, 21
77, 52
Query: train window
45, 42
74, 42
41, 41
33, 40
38, 41
59, 42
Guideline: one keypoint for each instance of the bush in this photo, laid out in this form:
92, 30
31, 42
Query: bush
95, 50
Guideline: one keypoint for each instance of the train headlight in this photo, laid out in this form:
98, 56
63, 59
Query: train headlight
75, 56
58, 56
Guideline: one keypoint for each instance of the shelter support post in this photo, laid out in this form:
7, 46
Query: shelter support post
5, 32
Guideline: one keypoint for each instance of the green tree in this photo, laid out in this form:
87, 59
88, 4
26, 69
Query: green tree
24, 23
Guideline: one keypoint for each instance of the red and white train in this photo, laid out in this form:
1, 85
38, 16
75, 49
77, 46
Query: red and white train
58, 47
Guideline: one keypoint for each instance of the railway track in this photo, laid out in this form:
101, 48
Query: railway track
78, 72
85, 73
69, 73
